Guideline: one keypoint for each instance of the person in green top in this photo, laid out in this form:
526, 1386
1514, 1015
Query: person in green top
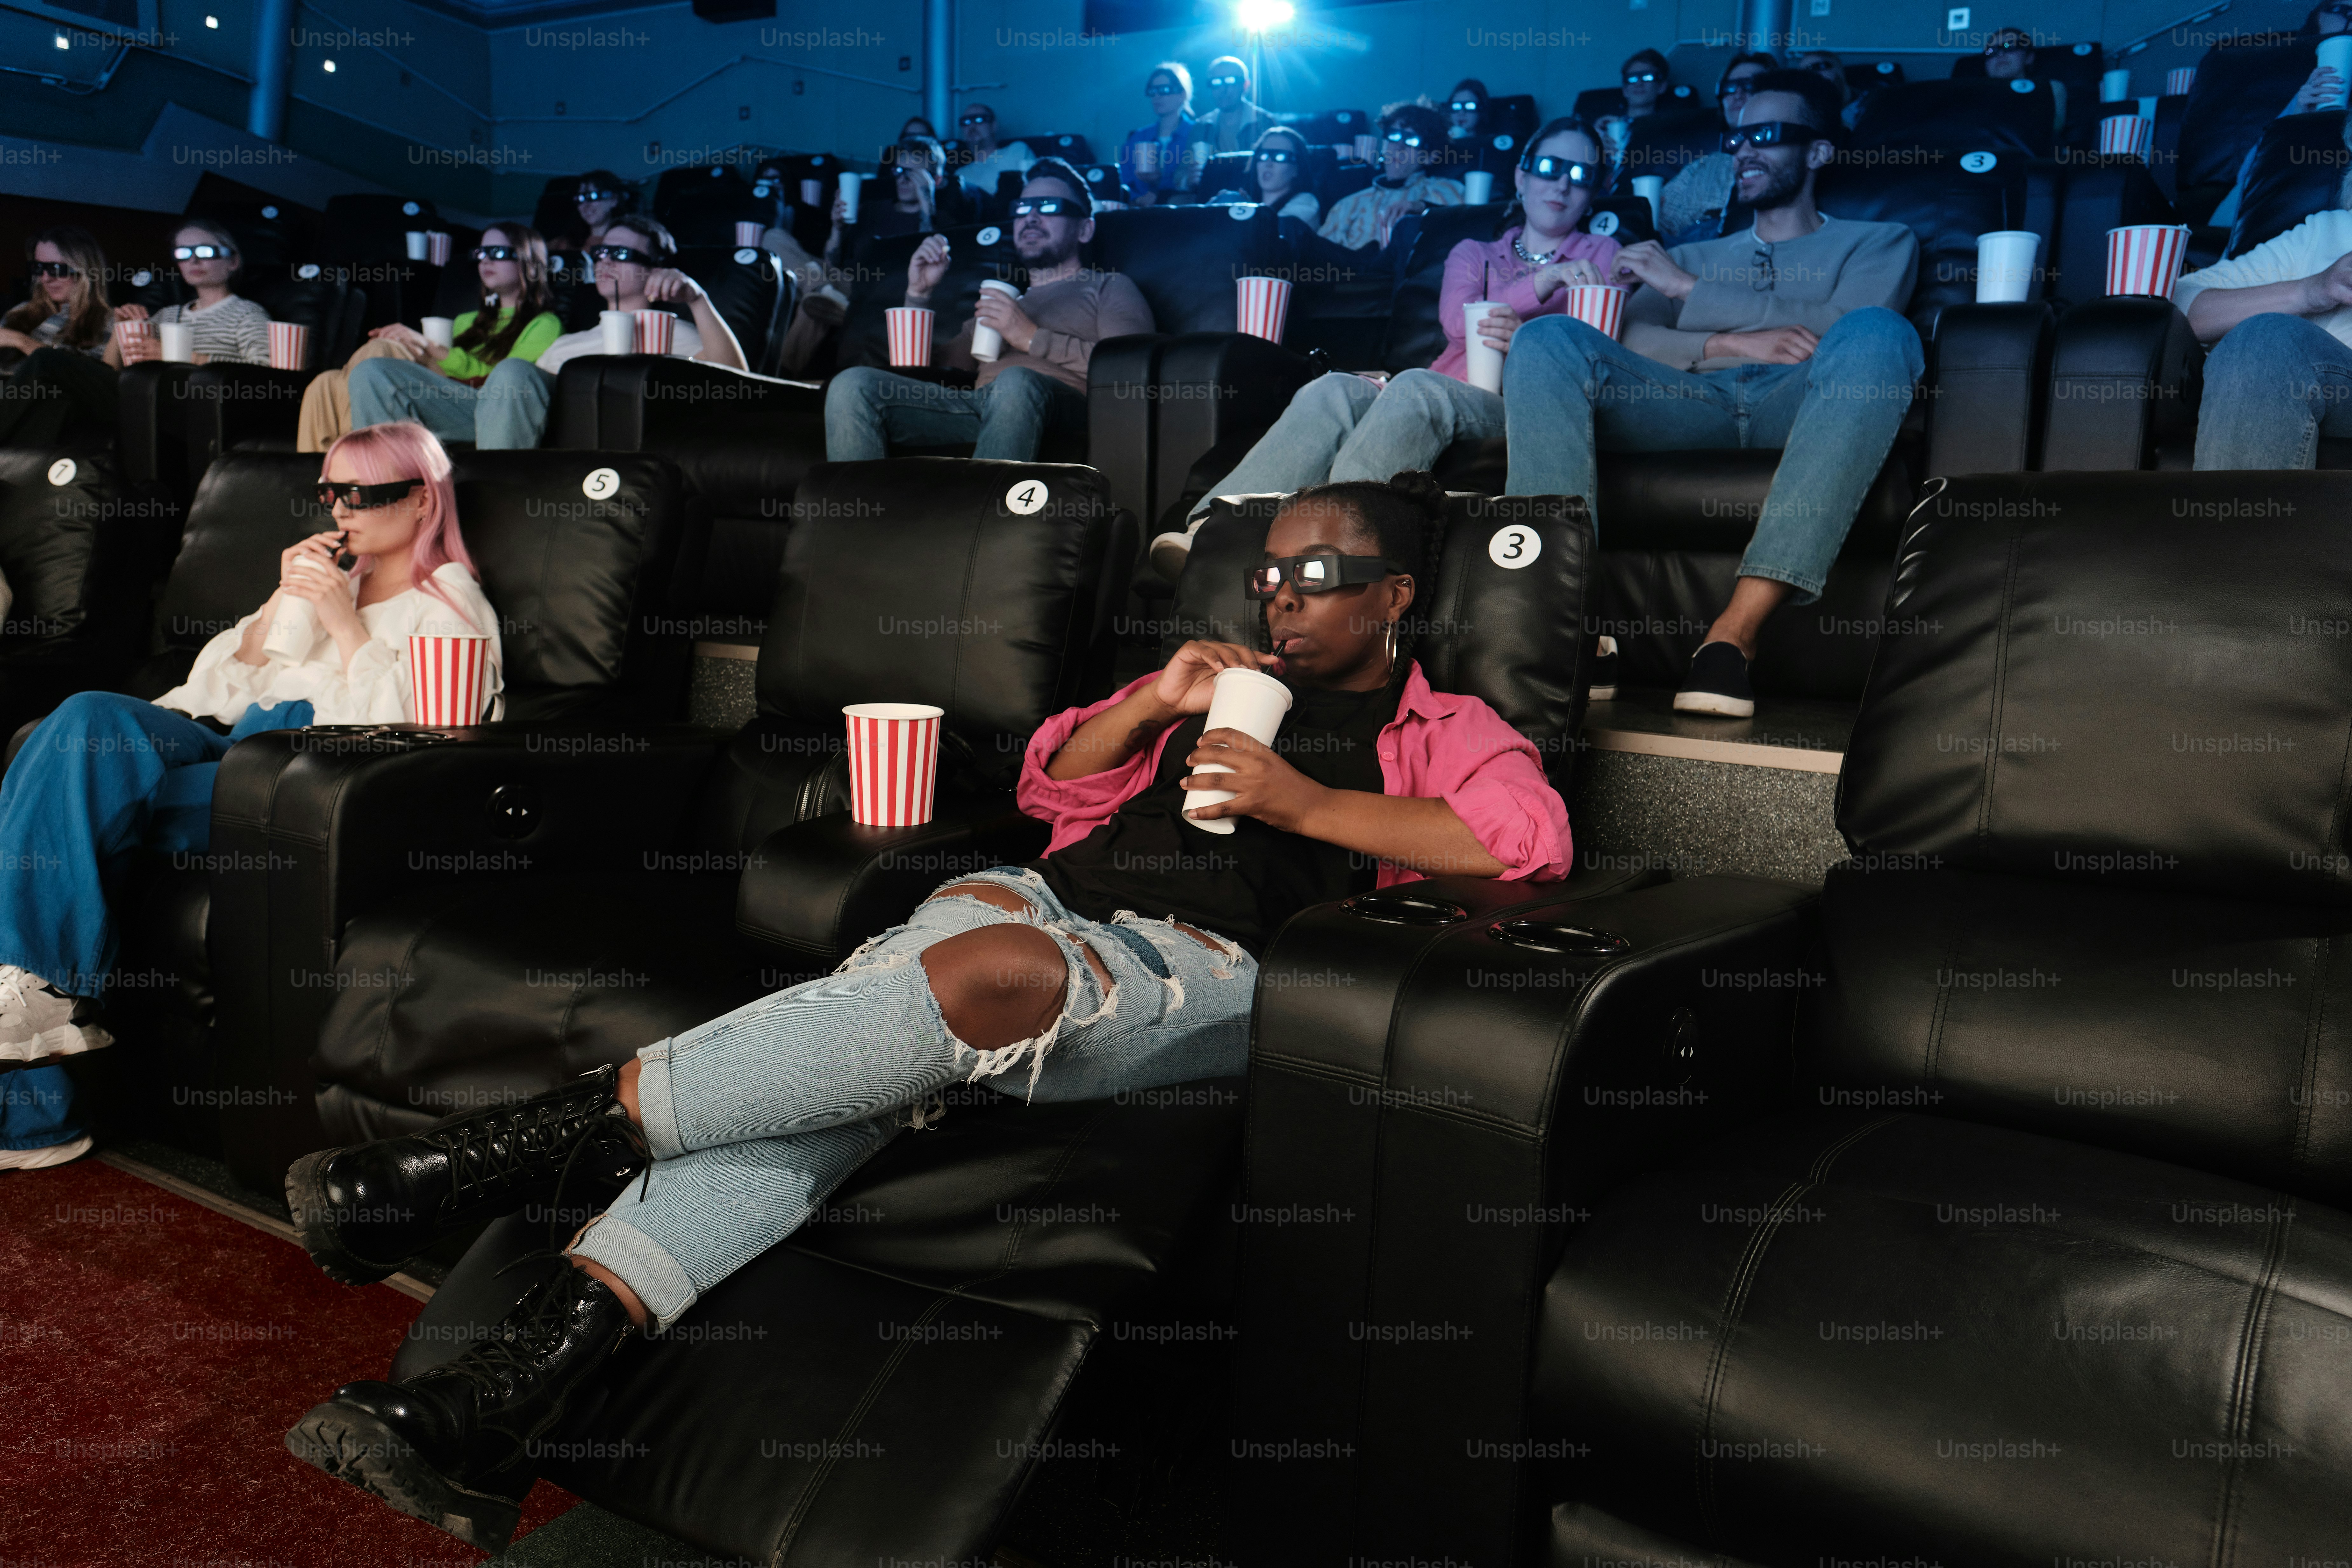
511, 262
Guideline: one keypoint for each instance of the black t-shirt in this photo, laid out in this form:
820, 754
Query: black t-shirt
1243, 885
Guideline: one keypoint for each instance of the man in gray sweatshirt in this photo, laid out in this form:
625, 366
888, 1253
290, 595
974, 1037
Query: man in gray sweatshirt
1788, 335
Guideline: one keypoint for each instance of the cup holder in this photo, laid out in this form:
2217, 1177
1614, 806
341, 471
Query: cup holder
1558, 936
1396, 906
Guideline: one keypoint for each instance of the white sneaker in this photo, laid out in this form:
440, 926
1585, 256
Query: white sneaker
1169, 554
55, 1154
37, 1020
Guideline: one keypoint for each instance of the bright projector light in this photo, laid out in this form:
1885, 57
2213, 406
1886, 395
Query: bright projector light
1257, 15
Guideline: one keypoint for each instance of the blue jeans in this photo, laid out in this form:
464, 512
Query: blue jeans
101, 776
2273, 385
866, 408
508, 410
1571, 391
753, 1119
1341, 426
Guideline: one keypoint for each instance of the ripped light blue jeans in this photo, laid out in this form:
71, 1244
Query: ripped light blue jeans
756, 1117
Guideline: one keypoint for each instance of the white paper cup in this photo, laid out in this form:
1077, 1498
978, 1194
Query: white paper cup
1147, 158
909, 327
179, 340
849, 184
2336, 53
293, 627
450, 677
749, 232
894, 762
1249, 700
1261, 306
130, 333
441, 332
655, 332
2126, 136
620, 330
987, 342
2178, 81
2005, 266
2146, 258
1485, 366
418, 246
812, 192
1600, 306
1368, 146
2115, 86
1477, 187
1651, 188
290, 346
437, 247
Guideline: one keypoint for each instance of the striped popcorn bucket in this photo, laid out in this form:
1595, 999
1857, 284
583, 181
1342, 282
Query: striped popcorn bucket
436, 247
133, 335
894, 762
1261, 305
749, 232
451, 677
1600, 306
911, 335
2146, 258
2179, 79
2127, 135
290, 346
655, 331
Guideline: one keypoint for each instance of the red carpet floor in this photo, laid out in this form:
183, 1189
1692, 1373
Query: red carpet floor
152, 1355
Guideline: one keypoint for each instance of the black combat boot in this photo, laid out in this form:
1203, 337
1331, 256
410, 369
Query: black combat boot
363, 1211
455, 1447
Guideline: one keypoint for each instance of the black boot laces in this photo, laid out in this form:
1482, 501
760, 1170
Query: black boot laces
498, 1149
511, 1358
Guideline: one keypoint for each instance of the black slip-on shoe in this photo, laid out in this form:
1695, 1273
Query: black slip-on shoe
1718, 684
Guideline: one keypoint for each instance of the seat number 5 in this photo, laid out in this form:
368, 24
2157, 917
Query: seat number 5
1514, 547
601, 484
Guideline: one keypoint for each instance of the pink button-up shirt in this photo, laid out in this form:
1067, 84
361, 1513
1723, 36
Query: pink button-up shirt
1439, 745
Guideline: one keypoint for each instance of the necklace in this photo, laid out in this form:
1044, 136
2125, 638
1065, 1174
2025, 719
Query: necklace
1519, 245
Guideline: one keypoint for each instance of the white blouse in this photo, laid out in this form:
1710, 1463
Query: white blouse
375, 688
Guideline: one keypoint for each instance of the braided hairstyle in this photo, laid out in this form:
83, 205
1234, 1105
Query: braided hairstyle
1403, 518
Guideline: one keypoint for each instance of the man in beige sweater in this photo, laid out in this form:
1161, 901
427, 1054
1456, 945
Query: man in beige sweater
1037, 382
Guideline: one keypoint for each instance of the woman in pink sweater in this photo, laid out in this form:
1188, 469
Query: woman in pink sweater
1347, 426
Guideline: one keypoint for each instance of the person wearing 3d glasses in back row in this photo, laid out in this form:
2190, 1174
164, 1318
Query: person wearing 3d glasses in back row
1037, 382
1786, 334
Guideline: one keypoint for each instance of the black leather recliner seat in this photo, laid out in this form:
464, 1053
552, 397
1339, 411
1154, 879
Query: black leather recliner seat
1990, 1210
579, 586
1071, 1262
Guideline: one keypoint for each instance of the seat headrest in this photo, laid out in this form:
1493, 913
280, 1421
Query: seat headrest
1504, 621
2298, 165
62, 517
575, 551
1961, 115
2126, 678
1185, 259
971, 585
2239, 88
1946, 202
249, 509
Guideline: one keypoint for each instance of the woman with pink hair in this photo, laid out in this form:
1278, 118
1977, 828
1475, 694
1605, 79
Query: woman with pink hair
107, 775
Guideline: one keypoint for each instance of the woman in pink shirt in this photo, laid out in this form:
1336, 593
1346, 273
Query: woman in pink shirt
1121, 961
1347, 426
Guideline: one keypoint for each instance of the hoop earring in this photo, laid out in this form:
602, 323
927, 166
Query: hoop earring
1392, 647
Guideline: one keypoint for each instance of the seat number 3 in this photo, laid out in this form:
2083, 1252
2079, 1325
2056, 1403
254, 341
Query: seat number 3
1514, 547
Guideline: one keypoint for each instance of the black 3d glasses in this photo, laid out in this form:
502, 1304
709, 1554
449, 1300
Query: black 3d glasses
496, 253
1463, 105
1276, 155
1409, 138
365, 498
598, 197
624, 255
1048, 206
1770, 134
1224, 82
54, 269
1568, 169
1635, 79
1315, 573
200, 252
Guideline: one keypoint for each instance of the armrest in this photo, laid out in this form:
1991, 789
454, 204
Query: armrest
819, 888
232, 403
1431, 1107
1121, 388
312, 826
2125, 378
1991, 375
